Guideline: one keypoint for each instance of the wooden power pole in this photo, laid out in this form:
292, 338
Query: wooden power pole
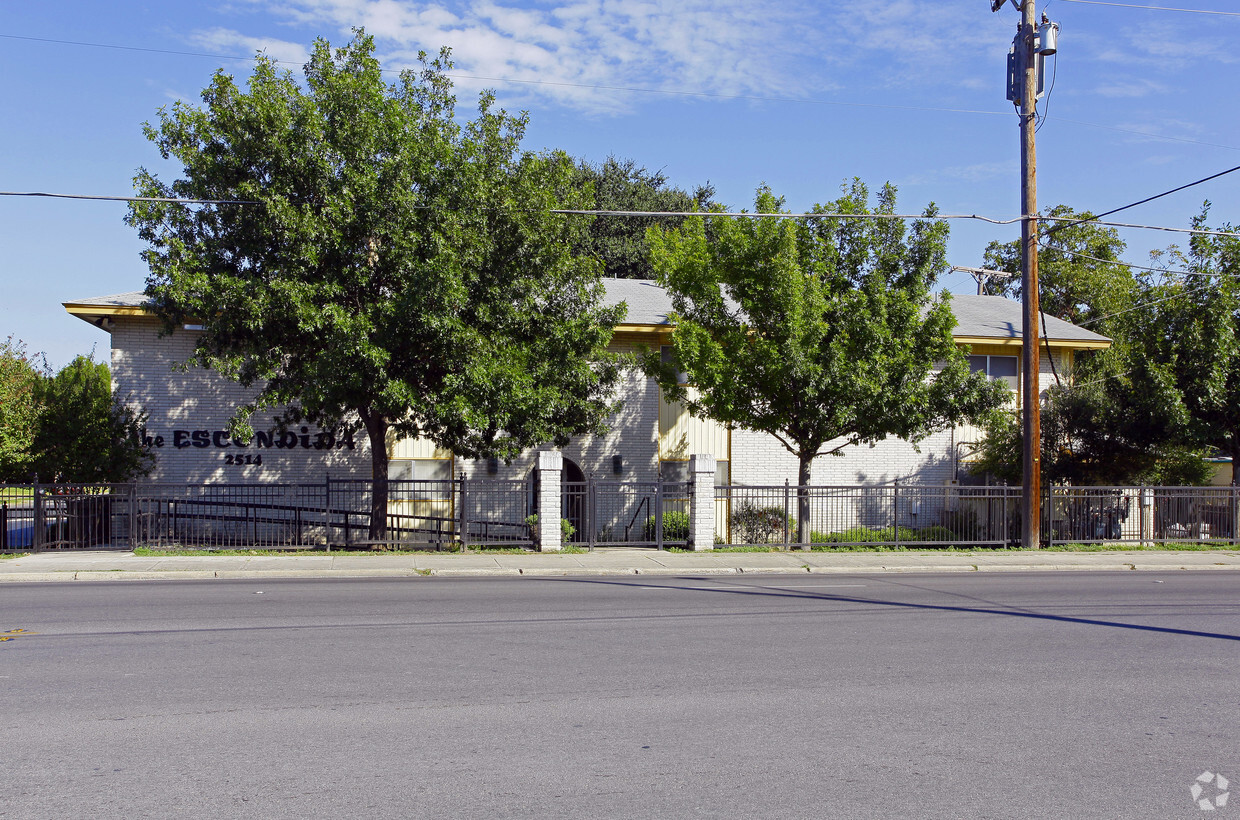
1031, 484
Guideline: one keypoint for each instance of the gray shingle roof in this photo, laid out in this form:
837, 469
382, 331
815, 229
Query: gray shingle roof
135, 298
996, 317
990, 317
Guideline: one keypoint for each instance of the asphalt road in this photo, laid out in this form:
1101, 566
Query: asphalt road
1074, 695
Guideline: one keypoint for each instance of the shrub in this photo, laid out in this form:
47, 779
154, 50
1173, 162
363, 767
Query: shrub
937, 534
675, 527
863, 535
752, 524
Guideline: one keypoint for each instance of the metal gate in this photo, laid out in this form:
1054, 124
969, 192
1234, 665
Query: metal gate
626, 513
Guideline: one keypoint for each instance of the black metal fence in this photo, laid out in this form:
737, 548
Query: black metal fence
626, 513
927, 516
463, 513
447, 514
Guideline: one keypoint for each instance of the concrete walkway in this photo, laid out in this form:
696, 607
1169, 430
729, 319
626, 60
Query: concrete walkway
85, 565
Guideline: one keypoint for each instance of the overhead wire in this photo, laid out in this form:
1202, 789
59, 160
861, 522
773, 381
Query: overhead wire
1128, 264
1154, 8
679, 214
1096, 219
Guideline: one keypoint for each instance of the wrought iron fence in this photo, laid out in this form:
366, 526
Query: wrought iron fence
433, 514
928, 516
496, 513
1141, 515
461, 513
626, 513
886, 515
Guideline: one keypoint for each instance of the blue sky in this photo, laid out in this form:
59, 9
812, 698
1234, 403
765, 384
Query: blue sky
801, 95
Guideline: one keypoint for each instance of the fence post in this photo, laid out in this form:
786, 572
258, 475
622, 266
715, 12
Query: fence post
4, 526
464, 519
1235, 512
787, 520
1048, 512
658, 511
327, 512
37, 537
131, 499
895, 512
702, 502
591, 510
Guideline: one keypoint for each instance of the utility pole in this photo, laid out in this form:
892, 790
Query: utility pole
1031, 447
1031, 44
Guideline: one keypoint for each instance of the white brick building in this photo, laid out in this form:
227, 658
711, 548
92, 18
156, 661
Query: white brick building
189, 411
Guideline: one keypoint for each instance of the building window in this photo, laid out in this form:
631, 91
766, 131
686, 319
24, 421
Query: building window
667, 354
408, 475
676, 471
1004, 368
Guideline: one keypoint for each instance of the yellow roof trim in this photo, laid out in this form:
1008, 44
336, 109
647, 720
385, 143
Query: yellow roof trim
625, 327
83, 311
1016, 342
79, 309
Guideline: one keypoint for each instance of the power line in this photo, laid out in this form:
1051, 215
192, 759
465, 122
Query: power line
1154, 8
1141, 305
1129, 264
133, 198
1199, 231
1142, 201
678, 214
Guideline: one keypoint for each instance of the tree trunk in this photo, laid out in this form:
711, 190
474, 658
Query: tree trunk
376, 431
803, 522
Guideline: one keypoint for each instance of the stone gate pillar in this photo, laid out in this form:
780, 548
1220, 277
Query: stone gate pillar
550, 468
702, 506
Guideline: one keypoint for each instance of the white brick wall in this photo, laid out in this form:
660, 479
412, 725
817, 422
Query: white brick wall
144, 374
180, 404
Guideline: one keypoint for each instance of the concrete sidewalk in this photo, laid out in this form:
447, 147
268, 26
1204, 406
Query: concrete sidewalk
83, 565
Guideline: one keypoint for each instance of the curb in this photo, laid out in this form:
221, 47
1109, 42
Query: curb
68, 576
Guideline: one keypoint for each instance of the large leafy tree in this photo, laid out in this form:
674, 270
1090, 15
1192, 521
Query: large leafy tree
1080, 276
623, 185
822, 332
85, 434
1190, 336
386, 263
1166, 392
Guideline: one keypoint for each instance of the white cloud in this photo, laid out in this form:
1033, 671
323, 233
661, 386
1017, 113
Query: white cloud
979, 172
1131, 87
565, 48
221, 39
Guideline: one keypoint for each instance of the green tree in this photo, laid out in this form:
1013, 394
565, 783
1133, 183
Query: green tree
1099, 433
1117, 417
822, 332
19, 410
622, 185
386, 264
1080, 275
84, 434
1167, 392
1190, 337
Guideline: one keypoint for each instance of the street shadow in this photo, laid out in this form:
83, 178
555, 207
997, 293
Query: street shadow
983, 607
